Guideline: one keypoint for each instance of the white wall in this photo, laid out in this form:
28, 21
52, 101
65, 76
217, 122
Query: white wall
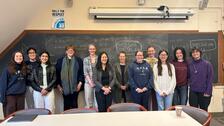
15, 15
77, 17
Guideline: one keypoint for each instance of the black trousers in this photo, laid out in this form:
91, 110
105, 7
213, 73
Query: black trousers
71, 101
13, 103
141, 98
103, 101
197, 99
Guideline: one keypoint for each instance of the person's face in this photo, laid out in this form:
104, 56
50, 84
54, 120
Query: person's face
139, 57
44, 58
104, 59
163, 56
18, 58
32, 54
151, 52
122, 58
179, 54
70, 52
196, 55
92, 50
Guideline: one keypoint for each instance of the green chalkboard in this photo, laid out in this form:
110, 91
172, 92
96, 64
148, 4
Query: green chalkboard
114, 43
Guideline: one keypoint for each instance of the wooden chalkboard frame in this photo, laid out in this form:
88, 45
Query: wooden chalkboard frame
220, 41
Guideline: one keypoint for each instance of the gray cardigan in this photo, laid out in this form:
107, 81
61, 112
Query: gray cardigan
87, 68
97, 75
117, 89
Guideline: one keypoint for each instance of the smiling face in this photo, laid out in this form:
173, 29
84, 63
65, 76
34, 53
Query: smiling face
139, 56
104, 59
163, 56
44, 58
122, 58
70, 52
196, 54
92, 50
179, 54
18, 58
151, 52
32, 54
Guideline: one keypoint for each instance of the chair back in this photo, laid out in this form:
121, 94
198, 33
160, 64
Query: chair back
199, 115
122, 107
80, 110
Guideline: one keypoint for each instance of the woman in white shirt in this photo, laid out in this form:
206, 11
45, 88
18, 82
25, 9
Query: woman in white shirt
164, 80
43, 82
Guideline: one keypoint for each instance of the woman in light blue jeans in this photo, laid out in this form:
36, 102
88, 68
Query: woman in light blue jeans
89, 88
164, 81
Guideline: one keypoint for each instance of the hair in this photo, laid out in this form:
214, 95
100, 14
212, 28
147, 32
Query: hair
70, 47
92, 45
150, 46
46, 52
195, 49
138, 51
122, 52
167, 63
31, 48
99, 63
12, 64
183, 52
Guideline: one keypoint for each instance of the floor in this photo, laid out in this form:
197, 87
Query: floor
217, 119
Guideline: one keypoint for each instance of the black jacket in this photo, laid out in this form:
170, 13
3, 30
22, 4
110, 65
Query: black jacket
37, 78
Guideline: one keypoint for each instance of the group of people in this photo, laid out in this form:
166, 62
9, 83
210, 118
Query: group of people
155, 83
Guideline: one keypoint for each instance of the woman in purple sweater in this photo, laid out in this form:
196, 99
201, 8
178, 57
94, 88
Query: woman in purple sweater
200, 80
181, 90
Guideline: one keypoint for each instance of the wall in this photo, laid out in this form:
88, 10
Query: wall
77, 18
15, 15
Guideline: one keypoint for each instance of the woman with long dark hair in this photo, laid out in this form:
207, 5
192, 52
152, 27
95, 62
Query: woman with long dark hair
164, 80
13, 84
44, 78
104, 79
181, 66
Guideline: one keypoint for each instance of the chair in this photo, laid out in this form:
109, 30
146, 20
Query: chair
80, 110
124, 107
199, 115
35, 111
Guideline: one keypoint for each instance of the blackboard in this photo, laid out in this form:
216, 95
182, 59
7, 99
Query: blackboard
114, 43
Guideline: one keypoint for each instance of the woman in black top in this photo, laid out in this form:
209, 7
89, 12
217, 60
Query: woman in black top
104, 79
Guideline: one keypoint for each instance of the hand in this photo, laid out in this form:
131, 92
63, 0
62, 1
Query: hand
79, 86
60, 89
139, 90
106, 90
206, 95
123, 87
144, 89
44, 92
91, 84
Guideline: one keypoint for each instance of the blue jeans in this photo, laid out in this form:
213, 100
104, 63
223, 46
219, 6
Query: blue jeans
164, 102
141, 98
180, 95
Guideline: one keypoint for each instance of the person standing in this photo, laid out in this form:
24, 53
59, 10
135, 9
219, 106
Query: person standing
152, 60
104, 79
140, 79
89, 64
181, 90
32, 63
200, 80
121, 87
70, 77
13, 84
164, 80
44, 78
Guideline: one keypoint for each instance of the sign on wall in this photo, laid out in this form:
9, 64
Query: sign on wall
58, 19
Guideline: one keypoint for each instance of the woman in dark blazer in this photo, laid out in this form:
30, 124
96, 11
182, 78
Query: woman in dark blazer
121, 87
103, 76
